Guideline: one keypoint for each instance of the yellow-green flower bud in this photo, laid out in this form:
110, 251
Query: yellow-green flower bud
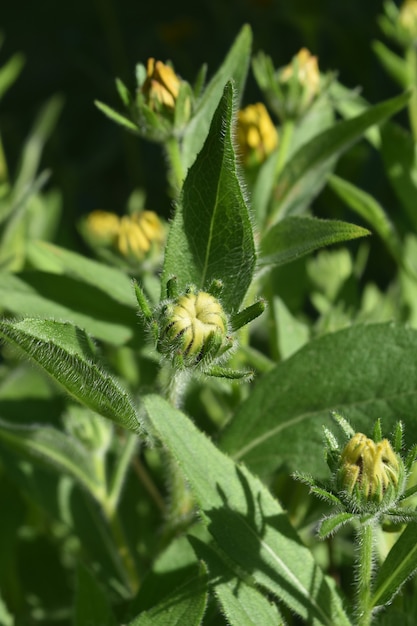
369, 472
256, 134
305, 67
161, 86
408, 17
301, 83
193, 327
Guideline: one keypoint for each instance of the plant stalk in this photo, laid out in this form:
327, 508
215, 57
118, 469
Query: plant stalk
364, 572
176, 177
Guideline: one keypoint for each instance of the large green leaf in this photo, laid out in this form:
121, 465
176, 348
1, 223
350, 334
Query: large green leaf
184, 605
241, 602
67, 354
398, 567
51, 295
113, 282
211, 234
235, 68
294, 237
329, 144
246, 522
365, 372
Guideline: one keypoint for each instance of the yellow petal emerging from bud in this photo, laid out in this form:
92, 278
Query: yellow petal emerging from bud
194, 325
138, 232
102, 225
161, 86
256, 134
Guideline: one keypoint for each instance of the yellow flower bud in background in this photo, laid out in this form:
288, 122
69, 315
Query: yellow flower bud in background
194, 325
408, 17
304, 70
138, 233
133, 236
370, 472
161, 86
103, 226
256, 134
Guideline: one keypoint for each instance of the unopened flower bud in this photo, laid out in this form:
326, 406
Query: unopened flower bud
408, 17
161, 86
369, 472
256, 134
138, 233
305, 67
302, 81
102, 226
194, 327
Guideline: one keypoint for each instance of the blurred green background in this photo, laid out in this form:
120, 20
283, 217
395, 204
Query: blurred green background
76, 49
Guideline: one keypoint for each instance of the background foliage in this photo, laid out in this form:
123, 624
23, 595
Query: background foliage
99, 540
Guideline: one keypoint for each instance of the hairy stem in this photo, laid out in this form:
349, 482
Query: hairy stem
364, 572
174, 159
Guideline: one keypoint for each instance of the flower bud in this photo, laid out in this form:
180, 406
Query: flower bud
138, 233
92, 430
408, 17
256, 134
193, 326
102, 226
161, 86
370, 473
301, 80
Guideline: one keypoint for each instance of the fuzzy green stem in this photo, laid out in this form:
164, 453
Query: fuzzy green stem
172, 148
364, 572
120, 472
284, 144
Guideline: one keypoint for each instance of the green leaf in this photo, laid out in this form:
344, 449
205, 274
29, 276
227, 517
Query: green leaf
398, 567
92, 604
246, 522
116, 117
49, 295
235, 68
367, 207
67, 354
394, 64
10, 71
364, 372
294, 237
184, 605
34, 145
50, 258
328, 144
241, 603
53, 447
291, 333
399, 157
211, 234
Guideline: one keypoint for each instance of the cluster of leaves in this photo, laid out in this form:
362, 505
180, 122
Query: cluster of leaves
120, 508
